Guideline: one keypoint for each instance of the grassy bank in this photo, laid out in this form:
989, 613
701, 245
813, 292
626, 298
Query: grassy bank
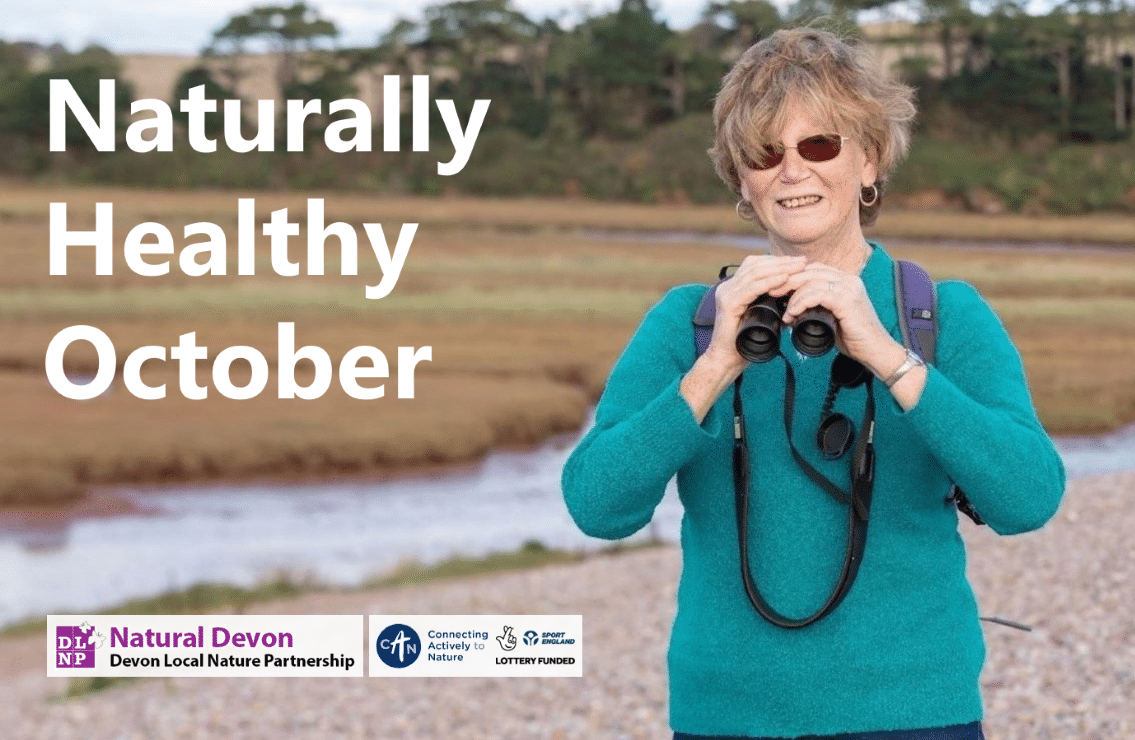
525, 314
24, 208
207, 598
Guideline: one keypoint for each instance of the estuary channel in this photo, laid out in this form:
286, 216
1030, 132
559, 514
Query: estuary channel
338, 533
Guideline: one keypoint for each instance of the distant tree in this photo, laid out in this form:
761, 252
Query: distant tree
287, 31
400, 48
837, 15
495, 52
26, 101
535, 49
474, 31
742, 22
214, 90
1113, 22
951, 20
623, 66
13, 76
1036, 75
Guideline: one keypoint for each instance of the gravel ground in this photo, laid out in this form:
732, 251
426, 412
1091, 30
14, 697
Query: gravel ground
1072, 677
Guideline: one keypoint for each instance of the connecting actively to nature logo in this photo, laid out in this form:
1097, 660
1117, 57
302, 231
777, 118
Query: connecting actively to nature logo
398, 645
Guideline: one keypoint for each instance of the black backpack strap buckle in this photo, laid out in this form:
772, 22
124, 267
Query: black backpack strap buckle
958, 499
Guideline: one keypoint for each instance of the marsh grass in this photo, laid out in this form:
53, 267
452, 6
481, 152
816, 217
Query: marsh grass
200, 598
532, 554
77, 688
297, 302
26, 205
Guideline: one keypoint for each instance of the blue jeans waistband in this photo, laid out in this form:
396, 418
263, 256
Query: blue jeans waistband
971, 731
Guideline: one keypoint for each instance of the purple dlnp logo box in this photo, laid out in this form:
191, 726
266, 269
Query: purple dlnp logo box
75, 647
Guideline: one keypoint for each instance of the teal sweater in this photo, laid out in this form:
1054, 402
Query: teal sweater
904, 650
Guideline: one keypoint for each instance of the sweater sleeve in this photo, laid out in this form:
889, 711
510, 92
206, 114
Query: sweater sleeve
977, 418
644, 429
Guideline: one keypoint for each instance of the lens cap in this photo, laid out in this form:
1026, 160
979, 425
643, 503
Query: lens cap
835, 435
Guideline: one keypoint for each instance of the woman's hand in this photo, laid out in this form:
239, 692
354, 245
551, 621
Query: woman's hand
721, 364
757, 275
861, 335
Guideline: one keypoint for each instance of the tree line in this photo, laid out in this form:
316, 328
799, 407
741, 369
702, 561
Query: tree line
627, 76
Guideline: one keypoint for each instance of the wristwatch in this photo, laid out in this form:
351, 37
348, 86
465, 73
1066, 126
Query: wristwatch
912, 361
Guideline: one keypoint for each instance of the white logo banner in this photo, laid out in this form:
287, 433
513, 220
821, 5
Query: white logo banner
476, 645
216, 645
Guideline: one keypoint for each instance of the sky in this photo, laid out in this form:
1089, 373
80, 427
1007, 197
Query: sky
164, 26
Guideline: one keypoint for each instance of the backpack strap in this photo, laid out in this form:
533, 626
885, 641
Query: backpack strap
707, 313
703, 320
917, 301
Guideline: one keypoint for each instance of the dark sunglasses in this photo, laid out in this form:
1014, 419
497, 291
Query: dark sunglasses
819, 148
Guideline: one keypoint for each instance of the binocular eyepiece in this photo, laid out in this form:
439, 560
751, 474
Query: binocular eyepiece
758, 336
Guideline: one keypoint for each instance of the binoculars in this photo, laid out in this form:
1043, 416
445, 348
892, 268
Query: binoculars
758, 336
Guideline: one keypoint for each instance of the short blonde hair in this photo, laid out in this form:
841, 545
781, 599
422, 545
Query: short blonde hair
834, 80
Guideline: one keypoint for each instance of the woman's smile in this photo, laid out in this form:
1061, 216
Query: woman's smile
799, 201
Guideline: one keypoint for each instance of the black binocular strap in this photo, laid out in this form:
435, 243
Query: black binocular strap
858, 504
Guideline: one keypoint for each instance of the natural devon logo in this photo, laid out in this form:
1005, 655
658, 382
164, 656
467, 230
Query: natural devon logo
75, 646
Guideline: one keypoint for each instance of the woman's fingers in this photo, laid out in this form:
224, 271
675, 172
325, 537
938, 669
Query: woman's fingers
819, 285
805, 300
813, 271
755, 276
766, 265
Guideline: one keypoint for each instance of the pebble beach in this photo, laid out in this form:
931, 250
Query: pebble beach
1072, 677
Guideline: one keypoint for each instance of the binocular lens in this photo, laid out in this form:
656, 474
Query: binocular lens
758, 337
814, 334
758, 343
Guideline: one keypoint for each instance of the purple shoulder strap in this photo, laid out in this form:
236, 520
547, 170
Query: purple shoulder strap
703, 320
917, 304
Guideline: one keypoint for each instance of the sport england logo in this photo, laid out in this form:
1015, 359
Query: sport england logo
398, 646
531, 637
75, 646
507, 641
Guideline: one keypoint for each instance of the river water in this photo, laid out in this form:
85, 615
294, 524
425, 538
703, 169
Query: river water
759, 243
337, 533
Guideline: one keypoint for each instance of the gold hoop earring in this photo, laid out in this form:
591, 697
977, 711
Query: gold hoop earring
741, 214
867, 203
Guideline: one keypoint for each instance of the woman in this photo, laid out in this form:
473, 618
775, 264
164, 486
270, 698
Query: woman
806, 134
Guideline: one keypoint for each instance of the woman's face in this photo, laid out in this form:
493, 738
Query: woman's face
810, 206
